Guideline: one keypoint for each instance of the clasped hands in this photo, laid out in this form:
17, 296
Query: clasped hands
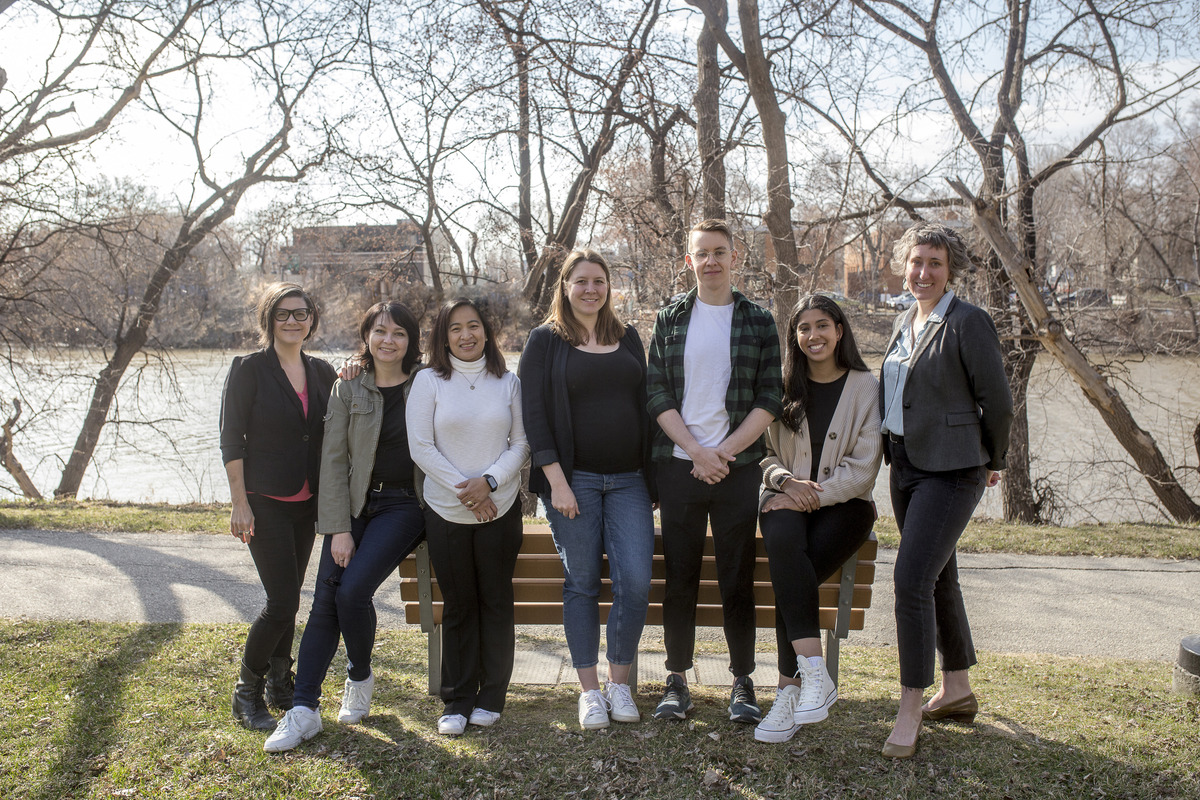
797, 495
711, 464
476, 496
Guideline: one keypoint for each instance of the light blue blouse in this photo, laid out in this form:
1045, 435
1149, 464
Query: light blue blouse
898, 361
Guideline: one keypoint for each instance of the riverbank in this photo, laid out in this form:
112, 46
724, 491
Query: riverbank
1108, 540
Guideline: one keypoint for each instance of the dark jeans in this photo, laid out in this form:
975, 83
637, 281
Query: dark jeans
388, 529
688, 506
804, 549
474, 568
932, 510
280, 547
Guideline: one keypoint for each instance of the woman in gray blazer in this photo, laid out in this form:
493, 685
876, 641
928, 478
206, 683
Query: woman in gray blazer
946, 411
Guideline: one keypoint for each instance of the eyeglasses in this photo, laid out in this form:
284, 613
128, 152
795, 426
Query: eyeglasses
300, 314
720, 254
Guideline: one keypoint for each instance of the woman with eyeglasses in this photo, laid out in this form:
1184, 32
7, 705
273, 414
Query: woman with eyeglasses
272, 426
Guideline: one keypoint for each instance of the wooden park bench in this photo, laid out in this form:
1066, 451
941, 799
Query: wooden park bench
538, 581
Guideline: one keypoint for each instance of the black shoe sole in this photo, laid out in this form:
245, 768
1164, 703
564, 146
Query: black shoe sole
670, 715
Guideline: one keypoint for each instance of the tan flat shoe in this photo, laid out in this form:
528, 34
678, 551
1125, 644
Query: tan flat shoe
963, 710
897, 751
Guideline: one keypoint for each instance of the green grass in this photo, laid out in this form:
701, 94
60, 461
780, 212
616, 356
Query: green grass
982, 536
94, 710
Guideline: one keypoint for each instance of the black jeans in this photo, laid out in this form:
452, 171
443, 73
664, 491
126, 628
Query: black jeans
390, 527
932, 510
474, 567
281, 546
804, 549
688, 506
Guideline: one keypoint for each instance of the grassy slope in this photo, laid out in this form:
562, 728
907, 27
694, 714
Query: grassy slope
95, 710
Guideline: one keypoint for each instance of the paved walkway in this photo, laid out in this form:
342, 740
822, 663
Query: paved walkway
1078, 605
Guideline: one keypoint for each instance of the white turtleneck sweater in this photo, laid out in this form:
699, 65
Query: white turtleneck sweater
456, 432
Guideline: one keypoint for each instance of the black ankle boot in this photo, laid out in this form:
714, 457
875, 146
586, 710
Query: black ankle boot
281, 682
248, 706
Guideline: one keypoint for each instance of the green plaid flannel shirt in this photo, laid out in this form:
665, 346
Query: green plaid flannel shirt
756, 379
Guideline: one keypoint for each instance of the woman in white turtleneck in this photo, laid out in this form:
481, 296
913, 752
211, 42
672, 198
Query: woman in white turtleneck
465, 433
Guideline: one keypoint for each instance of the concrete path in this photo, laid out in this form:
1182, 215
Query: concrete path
1110, 607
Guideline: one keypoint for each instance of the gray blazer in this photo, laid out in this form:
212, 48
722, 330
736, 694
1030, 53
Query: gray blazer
957, 406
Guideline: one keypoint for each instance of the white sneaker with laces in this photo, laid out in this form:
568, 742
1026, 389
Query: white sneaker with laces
483, 718
452, 724
818, 692
779, 725
298, 725
620, 703
356, 699
593, 710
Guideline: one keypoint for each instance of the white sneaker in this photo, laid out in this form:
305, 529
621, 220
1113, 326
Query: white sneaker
620, 703
483, 718
779, 725
818, 692
298, 725
356, 699
452, 724
593, 710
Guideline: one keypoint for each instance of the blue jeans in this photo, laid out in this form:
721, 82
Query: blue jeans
615, 517
390, 527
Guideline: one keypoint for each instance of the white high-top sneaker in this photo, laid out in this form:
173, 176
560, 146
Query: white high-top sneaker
817, 691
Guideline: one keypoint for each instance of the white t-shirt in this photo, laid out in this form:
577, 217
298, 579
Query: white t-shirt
707, 368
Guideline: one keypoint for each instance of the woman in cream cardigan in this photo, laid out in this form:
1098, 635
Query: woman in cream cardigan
822, 457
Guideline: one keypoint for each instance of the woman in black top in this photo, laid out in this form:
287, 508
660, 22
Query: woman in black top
272, 413
583, 375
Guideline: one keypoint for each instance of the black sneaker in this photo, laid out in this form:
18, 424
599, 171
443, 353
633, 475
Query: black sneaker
742, 705
676, 700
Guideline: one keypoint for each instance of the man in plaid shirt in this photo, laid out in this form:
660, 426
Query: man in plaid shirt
714, 385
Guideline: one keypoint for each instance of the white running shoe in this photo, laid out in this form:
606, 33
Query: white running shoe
452, 724
779, 725
818, 692
593, 710
298, 725
483, 718
620, 703
356, 699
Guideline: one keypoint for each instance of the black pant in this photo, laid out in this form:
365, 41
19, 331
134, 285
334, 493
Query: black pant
474, 567
932, 510
281, 545
804, 549
688, 506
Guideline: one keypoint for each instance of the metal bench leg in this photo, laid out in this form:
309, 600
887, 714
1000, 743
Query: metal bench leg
435, 660
633, 668
842, 625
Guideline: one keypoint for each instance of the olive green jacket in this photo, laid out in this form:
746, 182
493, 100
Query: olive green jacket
353, 420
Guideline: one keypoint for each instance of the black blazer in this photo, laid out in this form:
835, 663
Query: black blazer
546, 408
957, 406
262, 423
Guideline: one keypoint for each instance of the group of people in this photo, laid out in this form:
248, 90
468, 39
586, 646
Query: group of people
714, 427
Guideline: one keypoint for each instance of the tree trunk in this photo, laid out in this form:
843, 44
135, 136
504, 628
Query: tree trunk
1021, 503
11, 464
709, 137
1104, 398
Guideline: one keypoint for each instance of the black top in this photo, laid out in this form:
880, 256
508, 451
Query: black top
546, 408
822, 402
602, 389
264, 424
393, 462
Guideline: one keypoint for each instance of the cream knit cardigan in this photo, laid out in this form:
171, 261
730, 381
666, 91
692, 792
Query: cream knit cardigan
851, 454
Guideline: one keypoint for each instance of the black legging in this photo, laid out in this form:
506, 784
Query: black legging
281, 545
804, 548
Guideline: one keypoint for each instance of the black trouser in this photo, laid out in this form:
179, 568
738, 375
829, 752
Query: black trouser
474, 567
281, 545
932, 510
803, 549
688, 506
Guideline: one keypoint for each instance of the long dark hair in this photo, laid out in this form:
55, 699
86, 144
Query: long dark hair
795, 363
439, 341
399, 314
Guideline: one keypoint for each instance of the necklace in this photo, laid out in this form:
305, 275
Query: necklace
470, 382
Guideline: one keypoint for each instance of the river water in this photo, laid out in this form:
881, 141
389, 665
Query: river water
164, 448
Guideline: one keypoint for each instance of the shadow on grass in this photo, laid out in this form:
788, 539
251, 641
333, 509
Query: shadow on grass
99, 696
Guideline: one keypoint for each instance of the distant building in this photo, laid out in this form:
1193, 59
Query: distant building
387, 254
